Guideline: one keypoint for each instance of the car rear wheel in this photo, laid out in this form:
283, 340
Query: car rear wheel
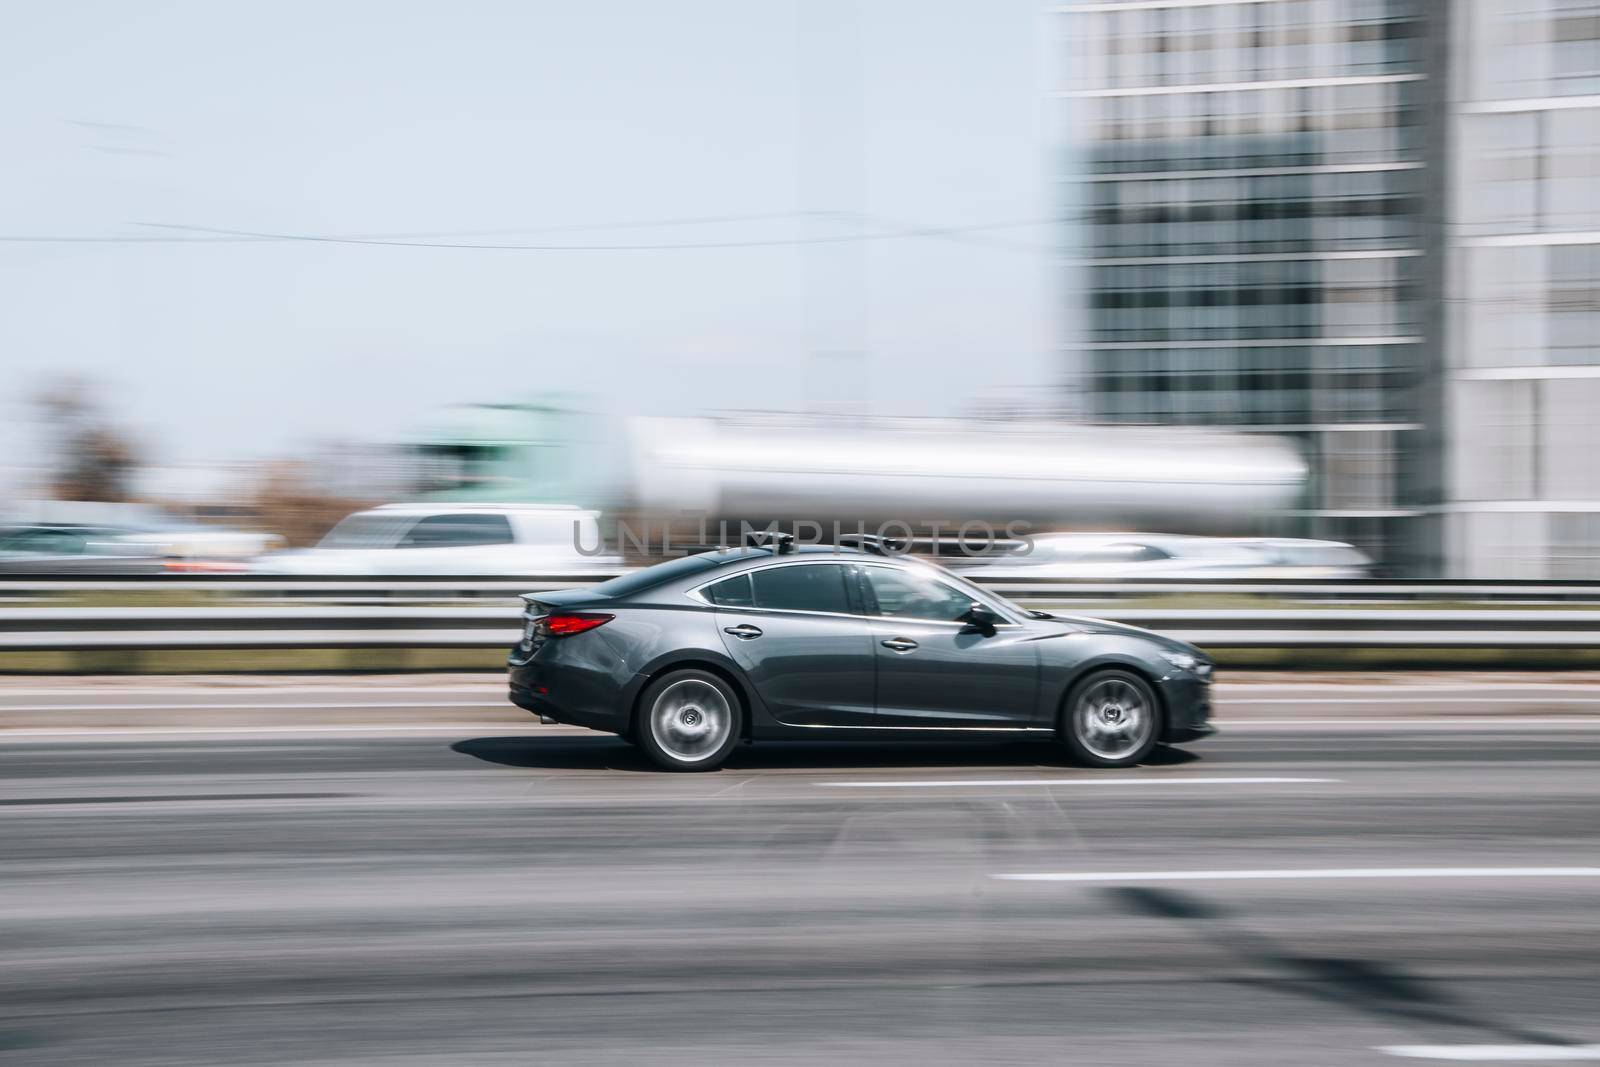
688, 721
1111, 719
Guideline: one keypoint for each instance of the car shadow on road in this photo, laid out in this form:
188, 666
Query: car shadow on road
1378, 988
605, 753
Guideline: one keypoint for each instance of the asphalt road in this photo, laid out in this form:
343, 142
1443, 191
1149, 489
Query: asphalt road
1315, 886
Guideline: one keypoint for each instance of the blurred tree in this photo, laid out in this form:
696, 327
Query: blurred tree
94, 459
291, 497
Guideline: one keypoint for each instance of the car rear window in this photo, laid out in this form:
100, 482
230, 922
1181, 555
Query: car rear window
732, 592
809, 587
650, 577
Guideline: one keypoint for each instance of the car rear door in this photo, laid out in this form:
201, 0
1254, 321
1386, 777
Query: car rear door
936, 671
797, 631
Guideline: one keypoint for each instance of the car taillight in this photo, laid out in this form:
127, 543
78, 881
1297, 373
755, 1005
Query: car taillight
567, 625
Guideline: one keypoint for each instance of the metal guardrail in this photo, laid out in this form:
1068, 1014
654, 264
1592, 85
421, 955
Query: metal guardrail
341, 627
444, 587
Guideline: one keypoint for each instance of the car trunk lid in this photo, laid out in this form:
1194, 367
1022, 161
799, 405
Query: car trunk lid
544, 603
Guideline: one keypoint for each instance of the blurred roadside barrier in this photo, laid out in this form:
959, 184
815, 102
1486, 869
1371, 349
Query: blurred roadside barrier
1021, 589
249, 623
319, 626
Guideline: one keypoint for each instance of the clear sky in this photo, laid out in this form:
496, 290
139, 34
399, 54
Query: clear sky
552, 119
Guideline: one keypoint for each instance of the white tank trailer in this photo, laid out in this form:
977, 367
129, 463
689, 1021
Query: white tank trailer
1050, 475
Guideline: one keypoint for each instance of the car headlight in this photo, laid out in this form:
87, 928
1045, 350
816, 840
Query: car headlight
1181, 660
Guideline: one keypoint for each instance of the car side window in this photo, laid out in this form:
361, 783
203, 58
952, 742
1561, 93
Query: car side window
809, 587
732, 592
458, 531
907, 595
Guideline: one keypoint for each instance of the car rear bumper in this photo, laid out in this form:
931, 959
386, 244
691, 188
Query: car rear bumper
568, 694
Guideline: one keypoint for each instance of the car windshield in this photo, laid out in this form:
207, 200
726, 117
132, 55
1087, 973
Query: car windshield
365, 530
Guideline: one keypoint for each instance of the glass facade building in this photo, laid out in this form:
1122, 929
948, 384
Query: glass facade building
1523, 352
1260, 245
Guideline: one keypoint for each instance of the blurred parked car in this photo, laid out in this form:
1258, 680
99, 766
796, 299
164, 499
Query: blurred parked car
1091, 556
477, 539
78, 548
70, 549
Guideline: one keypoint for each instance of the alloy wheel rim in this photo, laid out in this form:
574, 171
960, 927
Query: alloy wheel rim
1113, 719
690, 720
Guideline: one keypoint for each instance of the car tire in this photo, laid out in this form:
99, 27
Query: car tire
1111, 718
688, 720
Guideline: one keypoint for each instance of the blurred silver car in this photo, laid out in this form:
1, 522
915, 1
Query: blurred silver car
1091, 556
65, 548
453, 539
1297, 557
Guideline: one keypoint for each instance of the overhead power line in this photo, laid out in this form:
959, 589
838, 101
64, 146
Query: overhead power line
896, 234
209, 234
571, 227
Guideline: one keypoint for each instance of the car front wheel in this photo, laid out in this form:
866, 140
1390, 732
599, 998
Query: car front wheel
688, 721
1111, 719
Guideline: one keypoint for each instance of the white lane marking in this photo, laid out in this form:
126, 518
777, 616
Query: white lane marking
1494, 1053
1303, 873
1406, 700
309, 706
245, 688
1498, 721
959, 782
1229, 684
90, 733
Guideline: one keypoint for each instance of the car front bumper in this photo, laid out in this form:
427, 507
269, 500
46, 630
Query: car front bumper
1187, 697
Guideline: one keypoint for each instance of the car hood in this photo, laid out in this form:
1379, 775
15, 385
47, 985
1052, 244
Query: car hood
1084, 624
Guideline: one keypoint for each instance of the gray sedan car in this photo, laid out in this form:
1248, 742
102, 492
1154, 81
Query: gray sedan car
691, 656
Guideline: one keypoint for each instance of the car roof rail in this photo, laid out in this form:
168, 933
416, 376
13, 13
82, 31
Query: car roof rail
781, 543
874, 545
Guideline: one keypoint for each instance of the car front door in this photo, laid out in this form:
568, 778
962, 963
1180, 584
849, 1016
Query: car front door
798, 633
936, 670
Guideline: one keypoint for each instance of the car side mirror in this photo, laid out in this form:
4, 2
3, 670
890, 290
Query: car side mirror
980, 618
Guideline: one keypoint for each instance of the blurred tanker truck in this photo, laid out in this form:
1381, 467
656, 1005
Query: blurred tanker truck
916, 470
788, 468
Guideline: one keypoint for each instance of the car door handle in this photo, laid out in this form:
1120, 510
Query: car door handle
744, 631
900, 644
